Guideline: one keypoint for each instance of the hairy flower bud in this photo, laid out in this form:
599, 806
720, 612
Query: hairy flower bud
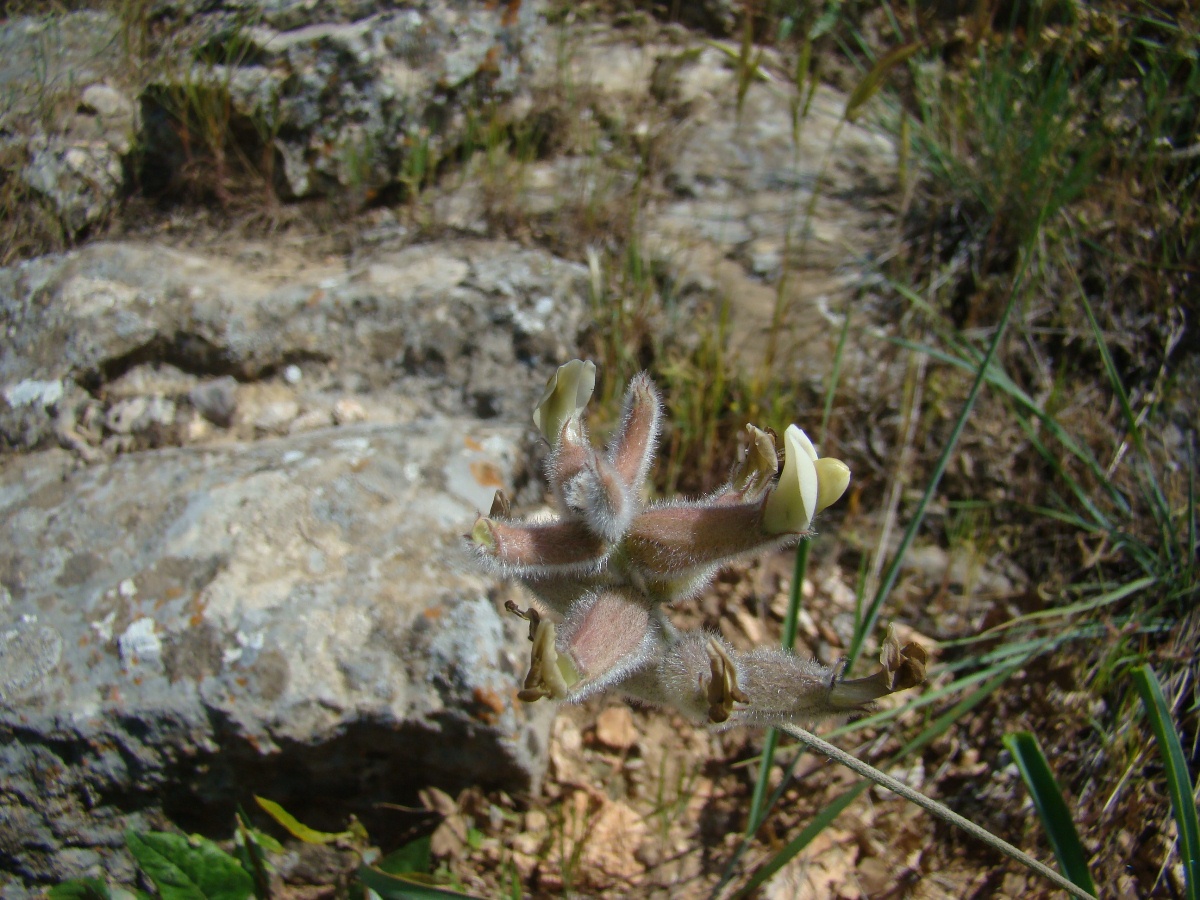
601, 498
709, 681
632, 449
538, 548
609, 564
606, 636
674, 538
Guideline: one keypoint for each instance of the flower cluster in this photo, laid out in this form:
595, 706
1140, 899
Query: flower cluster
606, 567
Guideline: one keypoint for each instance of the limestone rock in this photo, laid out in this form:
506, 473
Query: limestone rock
81, 179
346, 93
291, 615
180, 629
471, 325
66, 130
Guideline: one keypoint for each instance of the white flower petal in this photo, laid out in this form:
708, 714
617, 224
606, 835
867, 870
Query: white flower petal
793, 501
833, 477
567, 393
802, 440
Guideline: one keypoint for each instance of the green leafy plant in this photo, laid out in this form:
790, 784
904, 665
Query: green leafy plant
1051, 808
1179, 783
401, 875
195, 868
192, 868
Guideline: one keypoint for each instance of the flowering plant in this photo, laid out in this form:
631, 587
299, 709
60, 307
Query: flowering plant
608, 564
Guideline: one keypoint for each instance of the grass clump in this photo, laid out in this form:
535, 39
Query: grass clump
1047, 269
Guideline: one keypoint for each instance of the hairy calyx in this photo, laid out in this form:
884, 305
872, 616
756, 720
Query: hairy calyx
606, 567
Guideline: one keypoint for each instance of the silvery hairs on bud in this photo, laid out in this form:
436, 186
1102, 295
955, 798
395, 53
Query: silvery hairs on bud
605, 567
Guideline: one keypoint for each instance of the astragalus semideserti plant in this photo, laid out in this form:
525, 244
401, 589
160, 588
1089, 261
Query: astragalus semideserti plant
610, 563
606, 567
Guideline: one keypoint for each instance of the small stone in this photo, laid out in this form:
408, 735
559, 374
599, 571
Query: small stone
216, 400
34, 393
82, 180
610, 852
528, 844
139, 413
615, 728
308, 421
274, 418
106, 102
140, 643
196, 429
347, 411
292, 374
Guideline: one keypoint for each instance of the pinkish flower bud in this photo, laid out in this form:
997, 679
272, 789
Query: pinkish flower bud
709, 681
607, 636
537, 548
632, 450
601, 498
674, 538
569, 457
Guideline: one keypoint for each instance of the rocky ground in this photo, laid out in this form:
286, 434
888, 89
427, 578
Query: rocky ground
247, 417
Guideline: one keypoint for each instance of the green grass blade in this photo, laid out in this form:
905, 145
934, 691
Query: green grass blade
805, 837
757, 813
1105, 598
297, 828
1052, 809
1153, 489
870, 84
931, 732
409, 886
1000, 381
792, 619
867, 624
1179, 782
1110, 367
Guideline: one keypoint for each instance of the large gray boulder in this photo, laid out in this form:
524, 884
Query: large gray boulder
334, 99
232, 502
353, 98
181, 629
445, 327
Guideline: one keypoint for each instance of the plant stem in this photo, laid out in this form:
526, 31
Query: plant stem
943, 812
